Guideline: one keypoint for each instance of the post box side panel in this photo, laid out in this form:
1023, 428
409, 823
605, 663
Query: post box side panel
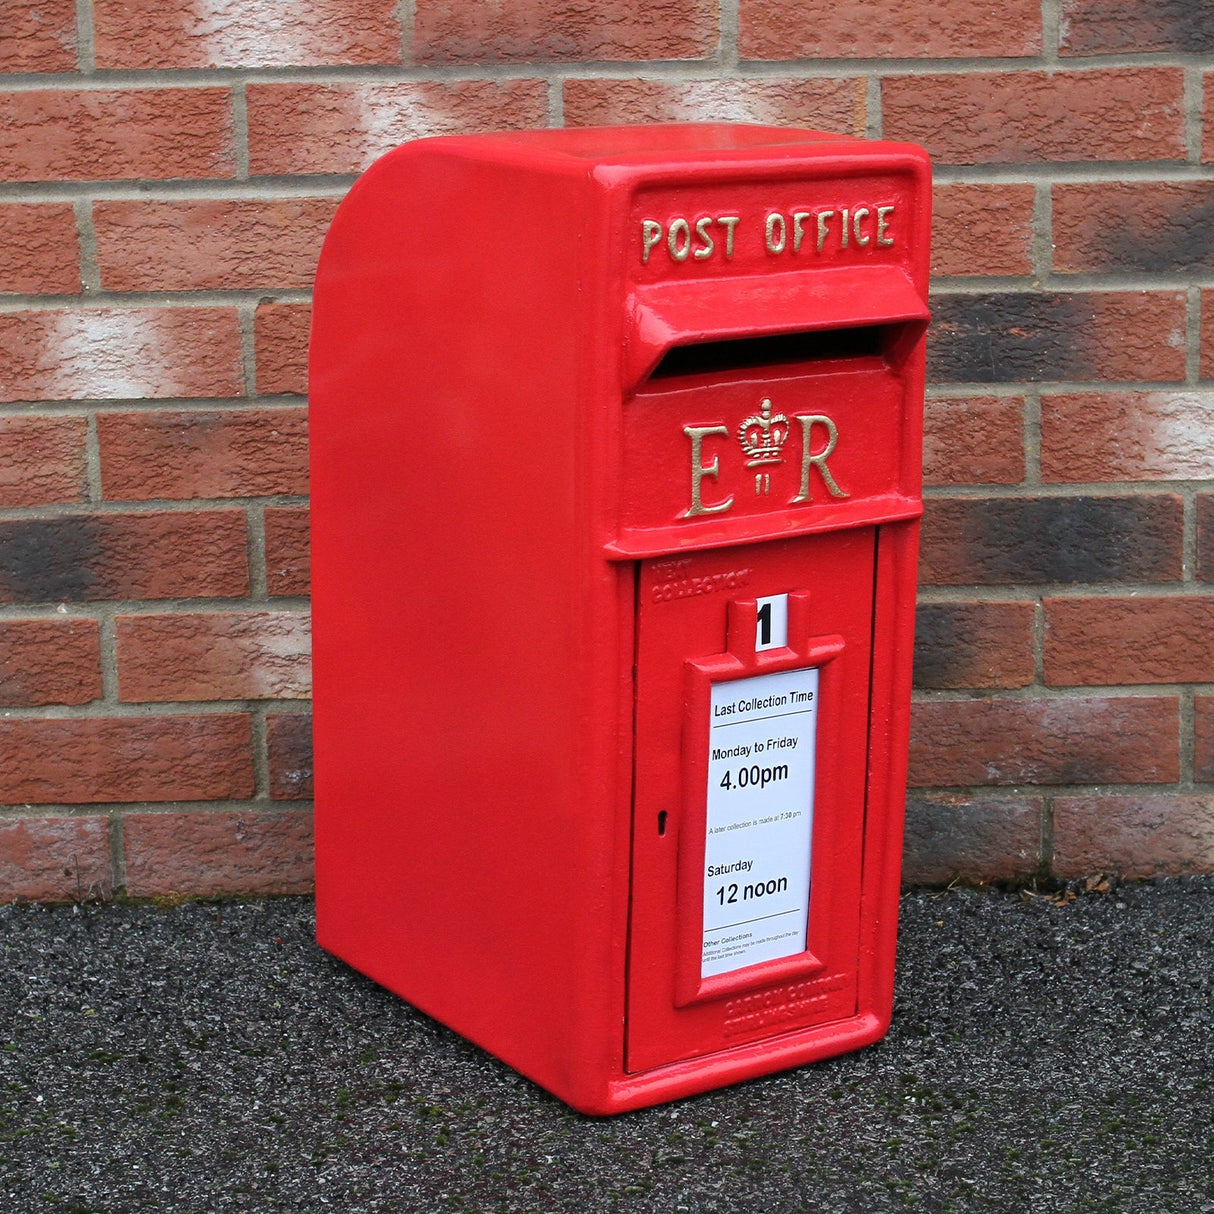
894, 645
471, 827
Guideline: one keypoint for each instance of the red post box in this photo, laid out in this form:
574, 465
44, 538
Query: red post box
615, 486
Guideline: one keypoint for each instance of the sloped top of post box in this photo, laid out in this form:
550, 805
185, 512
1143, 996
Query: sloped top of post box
671, 143
663, 139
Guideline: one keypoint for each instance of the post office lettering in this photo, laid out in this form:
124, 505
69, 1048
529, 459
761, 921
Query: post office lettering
700, 238
822, 231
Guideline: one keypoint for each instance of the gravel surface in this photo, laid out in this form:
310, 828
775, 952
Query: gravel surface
1045, 1056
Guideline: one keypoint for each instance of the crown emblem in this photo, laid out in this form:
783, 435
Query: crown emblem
762, 435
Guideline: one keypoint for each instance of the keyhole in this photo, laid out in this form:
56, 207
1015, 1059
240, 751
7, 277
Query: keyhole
661, 822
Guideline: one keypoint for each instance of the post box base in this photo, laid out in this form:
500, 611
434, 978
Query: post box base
677, 1080
604, 1091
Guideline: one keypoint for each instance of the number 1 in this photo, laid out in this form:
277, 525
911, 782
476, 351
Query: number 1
764, 626
771, 627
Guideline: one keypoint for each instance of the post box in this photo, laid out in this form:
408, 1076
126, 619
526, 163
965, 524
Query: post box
615, 485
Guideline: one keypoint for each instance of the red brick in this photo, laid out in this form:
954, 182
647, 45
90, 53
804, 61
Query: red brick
82, 760
1137, 836
554, 30
1112, 27
98, 353
37, 37
788, 29
40, 253
961, 645
289, 742
49, 662
982, 229
1205, 537
1207, 118
194, 454
822, 103
105, 134
1203, 739
1148, 226
1013, 336
54, 859
210, 244
42, 460
214, 656
1207, 331
343, 127
1094, 740
143, 34
147, 555
280, 331
1125, 113
1103, 641
205, 854
1012, 541
973, 440
971, 839
288, 557
1127, 436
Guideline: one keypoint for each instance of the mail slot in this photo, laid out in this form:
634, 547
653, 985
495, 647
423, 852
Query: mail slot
615, 486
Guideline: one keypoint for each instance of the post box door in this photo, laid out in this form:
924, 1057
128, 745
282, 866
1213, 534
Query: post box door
752, 695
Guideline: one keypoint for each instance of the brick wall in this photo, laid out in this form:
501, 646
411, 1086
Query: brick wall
168, 171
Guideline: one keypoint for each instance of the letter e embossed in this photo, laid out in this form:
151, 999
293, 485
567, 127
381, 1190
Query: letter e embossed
700, 470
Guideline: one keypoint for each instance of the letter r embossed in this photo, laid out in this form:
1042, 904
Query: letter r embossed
808, 461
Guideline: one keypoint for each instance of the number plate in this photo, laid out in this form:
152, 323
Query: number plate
761, 753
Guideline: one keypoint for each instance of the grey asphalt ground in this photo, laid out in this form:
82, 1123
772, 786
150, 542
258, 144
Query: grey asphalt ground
1045, 1056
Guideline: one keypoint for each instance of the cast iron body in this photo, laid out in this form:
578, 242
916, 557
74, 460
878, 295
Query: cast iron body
580, 400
